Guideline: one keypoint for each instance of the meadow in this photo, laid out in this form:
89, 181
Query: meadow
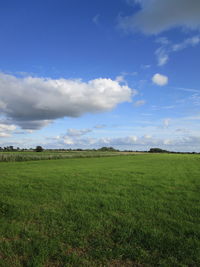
133, 210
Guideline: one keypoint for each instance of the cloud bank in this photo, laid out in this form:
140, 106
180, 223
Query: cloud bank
32, 103
156, 16
133, 142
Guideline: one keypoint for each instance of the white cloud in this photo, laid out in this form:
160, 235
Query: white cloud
5, 134
160, 79
34, 102
147, 136
163, 52
162, 40
6, 130
187, 89
162, 55
68, 140
166, 122
77, 132
5, 127
120, 78
156, 16
193, 41
139, 103
74, 136
144, 67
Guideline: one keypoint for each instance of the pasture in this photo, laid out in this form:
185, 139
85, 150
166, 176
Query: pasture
133, 210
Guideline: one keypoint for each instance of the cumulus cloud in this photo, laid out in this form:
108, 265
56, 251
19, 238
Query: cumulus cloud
33, 103
160, 79
156, 16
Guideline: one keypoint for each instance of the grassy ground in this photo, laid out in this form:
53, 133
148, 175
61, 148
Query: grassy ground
139, 210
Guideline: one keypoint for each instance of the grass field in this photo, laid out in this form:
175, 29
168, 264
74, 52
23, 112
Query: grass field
137, 210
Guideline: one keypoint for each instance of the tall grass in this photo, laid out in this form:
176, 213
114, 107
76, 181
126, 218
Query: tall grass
27, 156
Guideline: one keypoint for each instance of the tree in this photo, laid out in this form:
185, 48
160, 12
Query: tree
157, 150
38, 149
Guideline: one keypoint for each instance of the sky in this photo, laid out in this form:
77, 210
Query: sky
93, 73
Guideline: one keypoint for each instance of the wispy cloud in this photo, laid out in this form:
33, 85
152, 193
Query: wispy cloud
77, 132
167, 48
99, 126
96, 18
139, 103
187, 89
193, 41
162, 55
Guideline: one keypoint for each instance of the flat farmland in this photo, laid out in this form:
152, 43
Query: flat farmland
125, 210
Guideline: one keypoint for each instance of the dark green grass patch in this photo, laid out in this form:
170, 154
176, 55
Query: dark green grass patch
140, 210
48, 155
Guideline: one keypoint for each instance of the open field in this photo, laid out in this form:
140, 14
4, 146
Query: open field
133, 210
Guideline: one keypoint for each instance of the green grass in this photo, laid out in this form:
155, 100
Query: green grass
138, 210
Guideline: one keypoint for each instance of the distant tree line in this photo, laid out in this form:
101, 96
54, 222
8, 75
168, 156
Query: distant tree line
157, 150
104, 148
9, 148
13, 149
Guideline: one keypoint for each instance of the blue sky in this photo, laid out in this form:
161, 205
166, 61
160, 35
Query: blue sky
86, 74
